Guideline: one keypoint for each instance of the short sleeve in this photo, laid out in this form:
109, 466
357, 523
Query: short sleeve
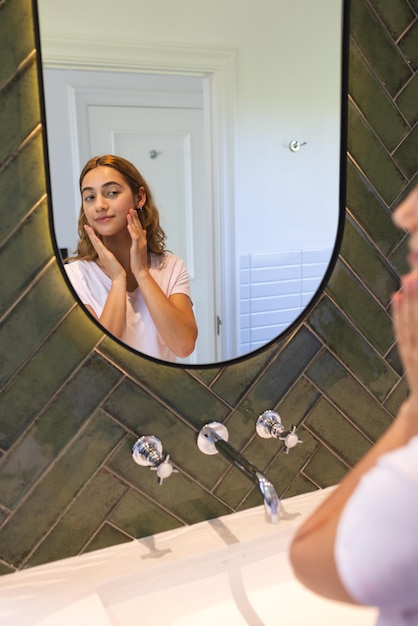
92, 287
171, 275
376, 548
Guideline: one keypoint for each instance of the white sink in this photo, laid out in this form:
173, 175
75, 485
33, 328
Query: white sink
232, 570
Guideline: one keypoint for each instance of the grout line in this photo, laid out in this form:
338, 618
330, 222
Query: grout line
23, 65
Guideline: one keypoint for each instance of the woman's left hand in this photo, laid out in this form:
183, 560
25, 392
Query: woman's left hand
173, 316
138, 253
405, 320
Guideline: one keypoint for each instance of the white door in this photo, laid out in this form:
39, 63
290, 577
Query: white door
167, 145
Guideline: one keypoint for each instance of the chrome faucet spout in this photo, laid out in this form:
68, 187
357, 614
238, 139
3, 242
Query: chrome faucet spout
210, 441
271, 499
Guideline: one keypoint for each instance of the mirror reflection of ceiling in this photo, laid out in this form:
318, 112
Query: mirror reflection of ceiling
272, 212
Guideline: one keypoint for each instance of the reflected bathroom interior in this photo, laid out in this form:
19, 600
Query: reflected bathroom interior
248, 284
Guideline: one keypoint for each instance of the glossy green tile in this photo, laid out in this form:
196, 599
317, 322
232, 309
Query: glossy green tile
398, 259
252, 499
141, 411
326, 423
377, 46
370, 211
80, 521
235, 379
31, 320
45, 504
406, 155
397, 397
23, 180
235, 487
43, 375
414, 5
377, 165
106, 537
353, 350
186, 499
54, 428
300, 485
374, 102
139, 517
281, 373
408, 45
261, 452
174, 386
325, 469
366, 313
392, 357
21, 117
241, 426
23, 256
297, 403
207, 376
360, 254
16, 35
407, 101
348, 395
404, 191
396, 16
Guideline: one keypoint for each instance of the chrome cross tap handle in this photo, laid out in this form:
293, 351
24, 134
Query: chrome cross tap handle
164, 469
148, 451
269, 425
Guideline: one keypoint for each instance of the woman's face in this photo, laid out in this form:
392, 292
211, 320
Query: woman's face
107, 199
406, 217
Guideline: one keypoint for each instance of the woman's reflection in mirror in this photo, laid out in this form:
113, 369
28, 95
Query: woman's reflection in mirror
122, 271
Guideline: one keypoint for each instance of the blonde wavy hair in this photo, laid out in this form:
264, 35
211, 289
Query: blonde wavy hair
148, 216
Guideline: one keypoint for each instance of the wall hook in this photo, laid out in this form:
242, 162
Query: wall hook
153, 154
294, 145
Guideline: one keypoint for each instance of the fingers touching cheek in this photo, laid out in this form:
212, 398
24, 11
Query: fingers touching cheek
405, 314
89, 230
410, 283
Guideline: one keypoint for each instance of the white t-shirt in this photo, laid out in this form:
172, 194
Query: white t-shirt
92, 286
376, 547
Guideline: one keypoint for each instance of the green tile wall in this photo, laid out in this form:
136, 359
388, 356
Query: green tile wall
73, 401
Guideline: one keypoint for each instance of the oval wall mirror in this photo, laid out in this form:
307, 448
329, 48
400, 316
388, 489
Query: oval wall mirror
235, 116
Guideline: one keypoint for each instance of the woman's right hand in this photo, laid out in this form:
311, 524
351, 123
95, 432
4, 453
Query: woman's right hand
113, 316
105, 259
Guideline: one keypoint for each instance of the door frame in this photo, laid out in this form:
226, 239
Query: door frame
218, 69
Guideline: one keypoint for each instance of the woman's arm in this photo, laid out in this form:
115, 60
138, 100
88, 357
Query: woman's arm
173, 316
113, 316
313, 547
312, 550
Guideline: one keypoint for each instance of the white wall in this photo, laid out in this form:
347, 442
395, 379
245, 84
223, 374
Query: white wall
287, 87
